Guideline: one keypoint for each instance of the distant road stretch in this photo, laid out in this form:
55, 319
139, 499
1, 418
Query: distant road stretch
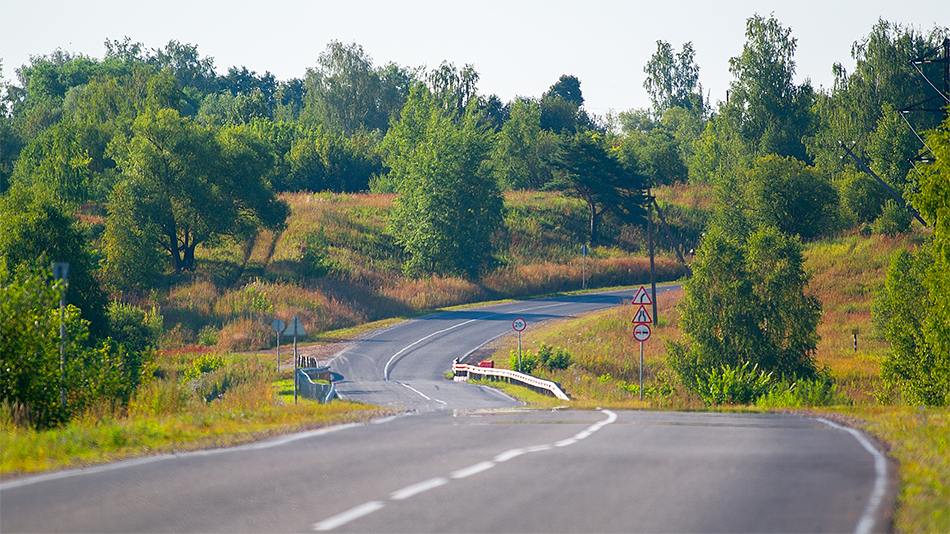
404, 366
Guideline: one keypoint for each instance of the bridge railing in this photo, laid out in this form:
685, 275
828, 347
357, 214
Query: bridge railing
463, 372
322, 391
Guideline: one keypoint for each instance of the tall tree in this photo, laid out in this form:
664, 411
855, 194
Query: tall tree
194, 184
746, 305
343, 91
769, 111
584, 168
673, 79
448, 206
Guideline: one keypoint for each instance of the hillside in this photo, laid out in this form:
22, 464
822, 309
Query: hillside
335, 266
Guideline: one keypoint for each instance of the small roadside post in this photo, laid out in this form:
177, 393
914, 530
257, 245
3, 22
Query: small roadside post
279, 327
295, 329
584, 252
519, 324
641, 330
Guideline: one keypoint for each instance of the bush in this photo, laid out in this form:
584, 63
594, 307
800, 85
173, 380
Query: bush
528, 361
893, 220
732, 385
133, 327
820, 391
554, 357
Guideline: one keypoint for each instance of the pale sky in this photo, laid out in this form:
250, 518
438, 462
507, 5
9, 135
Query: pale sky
518, 47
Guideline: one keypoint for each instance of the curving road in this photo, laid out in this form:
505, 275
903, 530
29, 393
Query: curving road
404, 366
463, 462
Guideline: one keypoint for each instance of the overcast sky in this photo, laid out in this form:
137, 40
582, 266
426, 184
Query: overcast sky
518, 47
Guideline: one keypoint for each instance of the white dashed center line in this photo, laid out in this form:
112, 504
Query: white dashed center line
409, 491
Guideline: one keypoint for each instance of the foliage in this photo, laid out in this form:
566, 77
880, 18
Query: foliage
448, 208
132, 327
819, 391
920, 334
193, 185
584, 168
793, 197
894, 219
35, 228
732, 384
525, 363
746, 305
554, 357
673, 80
770, 113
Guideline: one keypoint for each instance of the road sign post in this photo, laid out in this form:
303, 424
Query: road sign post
295, 329
641, 332
584, 252
279, 327
519, 324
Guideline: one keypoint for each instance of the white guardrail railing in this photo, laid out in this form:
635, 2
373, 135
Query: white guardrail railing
463, 371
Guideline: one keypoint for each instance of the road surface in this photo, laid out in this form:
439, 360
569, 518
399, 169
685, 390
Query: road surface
464, 459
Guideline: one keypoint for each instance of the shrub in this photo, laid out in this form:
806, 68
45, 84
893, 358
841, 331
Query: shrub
554, 357
894, 219
133, 327
528, 361
732, 385
820, 391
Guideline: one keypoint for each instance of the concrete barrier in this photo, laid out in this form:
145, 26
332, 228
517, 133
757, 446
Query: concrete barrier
318, 391
463, 372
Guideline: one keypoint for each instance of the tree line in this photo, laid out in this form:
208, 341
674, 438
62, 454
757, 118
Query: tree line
169, 155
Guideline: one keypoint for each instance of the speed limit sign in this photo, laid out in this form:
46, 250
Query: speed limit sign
519, 324
641, 332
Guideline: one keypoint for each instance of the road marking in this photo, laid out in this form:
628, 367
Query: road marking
508, 455
426, 397
420, 340
409, 491
349, 515
866, 523
473, 469
415, 489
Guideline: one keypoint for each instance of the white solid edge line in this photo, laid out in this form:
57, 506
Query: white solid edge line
473, 469
409, 491
508, 455
866, 523
349, 515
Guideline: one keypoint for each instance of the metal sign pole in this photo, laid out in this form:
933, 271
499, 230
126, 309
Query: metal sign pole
519, 351
295, 368
641, 370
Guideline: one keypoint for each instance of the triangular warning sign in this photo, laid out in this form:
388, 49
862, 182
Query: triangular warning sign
642, 317
642, 297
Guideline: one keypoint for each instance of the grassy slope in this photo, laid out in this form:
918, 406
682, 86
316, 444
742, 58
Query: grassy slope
241, 287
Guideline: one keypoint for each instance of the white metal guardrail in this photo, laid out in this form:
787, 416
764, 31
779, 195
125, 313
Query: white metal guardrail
463, 372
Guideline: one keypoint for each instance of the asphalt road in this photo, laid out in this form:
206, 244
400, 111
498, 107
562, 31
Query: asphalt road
465, 460
483, 471
404, 366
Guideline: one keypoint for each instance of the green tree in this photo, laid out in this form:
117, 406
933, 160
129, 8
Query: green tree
521, 146
448, 206
791, 196
768, 110
193, 184
746, 305
583, 167
913, 309
34, 227
344, 90
673, 80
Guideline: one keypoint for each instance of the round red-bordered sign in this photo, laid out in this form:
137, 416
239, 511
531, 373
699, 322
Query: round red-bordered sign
519, 324
641, 332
